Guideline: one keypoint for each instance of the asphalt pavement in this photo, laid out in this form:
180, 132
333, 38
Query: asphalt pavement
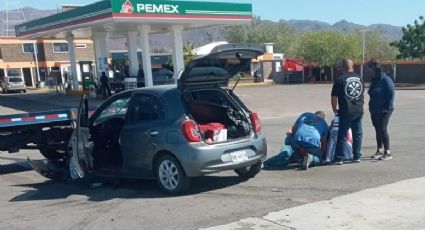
30, 201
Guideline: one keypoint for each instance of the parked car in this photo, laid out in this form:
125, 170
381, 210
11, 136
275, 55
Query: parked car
160, 76
13, 84
172, 133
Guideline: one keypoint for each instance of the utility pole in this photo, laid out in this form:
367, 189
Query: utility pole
12, 14
363, 53
35, 50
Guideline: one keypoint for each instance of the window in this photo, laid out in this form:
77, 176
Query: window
15, 79
117, 108
60, 47
80, 46
146, 108
28, 47
13, 72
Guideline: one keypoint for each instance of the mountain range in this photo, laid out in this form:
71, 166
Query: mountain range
206, 35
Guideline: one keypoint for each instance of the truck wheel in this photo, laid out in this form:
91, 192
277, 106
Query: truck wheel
51, 154
171, 176
250, 171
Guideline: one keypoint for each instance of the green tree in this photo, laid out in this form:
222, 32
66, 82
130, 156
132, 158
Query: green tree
326, 48
188, 56
260, 32
378, 47
412, 44
188, 52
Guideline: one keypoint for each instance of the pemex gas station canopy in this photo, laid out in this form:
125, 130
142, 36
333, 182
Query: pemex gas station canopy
119, 16
134, 20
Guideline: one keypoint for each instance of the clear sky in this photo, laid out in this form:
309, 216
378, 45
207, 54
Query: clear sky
364, 12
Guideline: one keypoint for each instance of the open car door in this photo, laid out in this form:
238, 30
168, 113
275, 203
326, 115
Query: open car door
81, 162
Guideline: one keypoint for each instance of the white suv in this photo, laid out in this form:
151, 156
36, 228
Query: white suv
16, 84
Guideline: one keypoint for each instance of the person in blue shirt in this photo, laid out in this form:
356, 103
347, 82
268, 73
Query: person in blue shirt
306, 140
381, 106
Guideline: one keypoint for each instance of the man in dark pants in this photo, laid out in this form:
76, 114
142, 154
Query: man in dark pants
104, 81
347, 101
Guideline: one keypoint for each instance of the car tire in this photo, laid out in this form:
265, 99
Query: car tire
170, 175
250, 171
51, 154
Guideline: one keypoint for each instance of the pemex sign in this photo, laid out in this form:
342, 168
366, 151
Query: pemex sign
182, 8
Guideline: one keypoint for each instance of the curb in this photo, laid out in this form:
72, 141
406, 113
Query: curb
251, 84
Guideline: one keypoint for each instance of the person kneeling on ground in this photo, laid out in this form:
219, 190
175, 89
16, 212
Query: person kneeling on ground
305, 140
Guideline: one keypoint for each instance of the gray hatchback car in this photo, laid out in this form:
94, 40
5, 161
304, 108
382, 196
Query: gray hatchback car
174, 133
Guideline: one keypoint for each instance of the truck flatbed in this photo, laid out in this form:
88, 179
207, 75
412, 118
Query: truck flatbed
48, 130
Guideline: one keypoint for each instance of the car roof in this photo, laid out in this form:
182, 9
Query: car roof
160, 89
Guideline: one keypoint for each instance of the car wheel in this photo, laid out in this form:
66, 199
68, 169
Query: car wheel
250, 171
170, 176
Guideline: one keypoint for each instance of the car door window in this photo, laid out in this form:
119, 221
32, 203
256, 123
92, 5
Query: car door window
146, 107
117, 108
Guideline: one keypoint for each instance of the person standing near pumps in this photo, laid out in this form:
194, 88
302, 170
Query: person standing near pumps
381, 106
104, 82
347, 101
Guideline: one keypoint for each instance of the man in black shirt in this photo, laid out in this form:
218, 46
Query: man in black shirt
347, 102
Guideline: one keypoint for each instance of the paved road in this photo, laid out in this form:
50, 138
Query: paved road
30, 201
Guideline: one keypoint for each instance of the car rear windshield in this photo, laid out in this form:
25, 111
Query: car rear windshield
15, 79
13, 73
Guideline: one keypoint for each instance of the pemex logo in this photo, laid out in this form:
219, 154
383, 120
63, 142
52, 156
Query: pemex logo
127, 7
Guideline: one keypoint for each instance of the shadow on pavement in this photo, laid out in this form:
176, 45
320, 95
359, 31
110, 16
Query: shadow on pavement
14, 168
126, 189
294, 167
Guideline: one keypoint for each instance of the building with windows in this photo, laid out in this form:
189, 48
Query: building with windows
34, 60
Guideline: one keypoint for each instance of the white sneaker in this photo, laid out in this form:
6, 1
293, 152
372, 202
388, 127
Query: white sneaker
307, 161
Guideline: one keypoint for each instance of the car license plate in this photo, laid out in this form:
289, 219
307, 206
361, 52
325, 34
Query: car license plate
239, 156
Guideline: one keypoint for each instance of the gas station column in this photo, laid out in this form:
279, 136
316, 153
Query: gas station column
72, 61
178, 54
132, 53
146, 54
101, 53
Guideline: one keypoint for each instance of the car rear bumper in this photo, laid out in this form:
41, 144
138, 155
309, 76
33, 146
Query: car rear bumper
16, 88
199, 159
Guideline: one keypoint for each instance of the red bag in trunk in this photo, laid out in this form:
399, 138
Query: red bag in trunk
215, 131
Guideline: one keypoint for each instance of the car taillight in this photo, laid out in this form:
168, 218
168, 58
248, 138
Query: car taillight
191, 131
255, 121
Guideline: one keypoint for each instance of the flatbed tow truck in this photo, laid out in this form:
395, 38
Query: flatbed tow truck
48, 132
51, 132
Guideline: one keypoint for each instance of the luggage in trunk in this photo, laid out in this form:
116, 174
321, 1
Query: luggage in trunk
218, 116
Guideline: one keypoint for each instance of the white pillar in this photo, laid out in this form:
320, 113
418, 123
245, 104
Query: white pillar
101, 53
35, 48
146, 54
72, 61
132, 53
178, 54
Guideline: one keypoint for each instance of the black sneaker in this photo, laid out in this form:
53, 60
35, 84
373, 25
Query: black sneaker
339, 162
356, 160
377, 155
386, 157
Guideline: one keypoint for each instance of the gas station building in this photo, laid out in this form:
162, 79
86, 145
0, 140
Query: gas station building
134, 20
